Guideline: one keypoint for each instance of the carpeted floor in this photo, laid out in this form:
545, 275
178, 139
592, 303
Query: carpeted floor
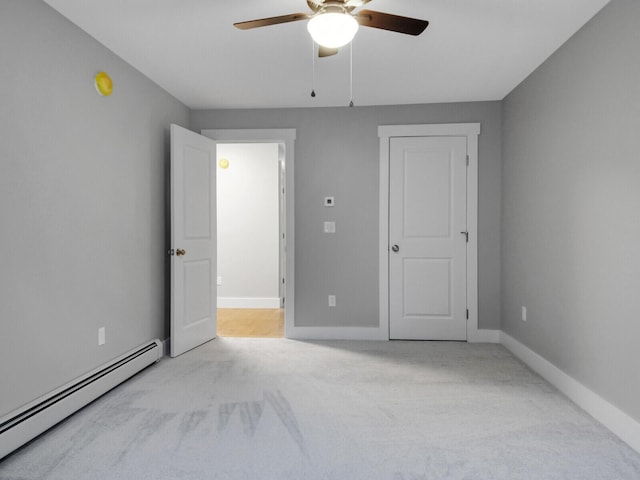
280, 409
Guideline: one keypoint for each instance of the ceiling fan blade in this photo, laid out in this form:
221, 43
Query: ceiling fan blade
315, 5
326, 52
263, 22
393, 23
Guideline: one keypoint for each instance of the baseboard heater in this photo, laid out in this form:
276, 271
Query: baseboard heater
29, 421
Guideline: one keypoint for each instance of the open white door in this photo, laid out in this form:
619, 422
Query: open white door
193, 240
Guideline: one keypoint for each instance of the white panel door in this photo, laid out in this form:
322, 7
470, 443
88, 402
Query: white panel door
427, 256
193, 240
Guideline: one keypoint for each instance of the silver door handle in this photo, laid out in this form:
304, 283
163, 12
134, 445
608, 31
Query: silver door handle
395, 248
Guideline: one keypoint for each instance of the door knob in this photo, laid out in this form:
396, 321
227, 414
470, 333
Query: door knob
180, 252
395, 248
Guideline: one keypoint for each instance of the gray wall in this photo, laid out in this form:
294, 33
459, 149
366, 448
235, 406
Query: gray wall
82, 188
571, 195
337, 154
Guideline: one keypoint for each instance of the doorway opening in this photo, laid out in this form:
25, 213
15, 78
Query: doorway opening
250, 239
285, 139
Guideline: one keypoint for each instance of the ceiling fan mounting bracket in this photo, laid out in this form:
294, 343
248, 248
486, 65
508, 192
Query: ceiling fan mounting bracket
330, 6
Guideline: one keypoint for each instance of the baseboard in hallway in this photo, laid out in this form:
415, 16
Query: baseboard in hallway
251, 322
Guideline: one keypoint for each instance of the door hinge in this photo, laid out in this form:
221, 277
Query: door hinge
171, 252
283, 281
467, 160
467, 314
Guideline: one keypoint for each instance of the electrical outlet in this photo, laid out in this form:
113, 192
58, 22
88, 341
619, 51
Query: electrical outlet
219, 280
524, 314
102, 339
332, 300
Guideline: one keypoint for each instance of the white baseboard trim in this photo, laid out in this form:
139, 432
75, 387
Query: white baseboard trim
337, 333
372, 333
484, 336
248, 302
621, 424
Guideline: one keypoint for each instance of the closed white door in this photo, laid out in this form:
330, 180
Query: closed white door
193, 240
427, 221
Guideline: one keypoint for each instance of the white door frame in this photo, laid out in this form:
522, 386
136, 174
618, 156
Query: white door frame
286, 136
471, 131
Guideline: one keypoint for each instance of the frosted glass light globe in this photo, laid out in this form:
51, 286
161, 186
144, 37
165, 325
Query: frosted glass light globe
332, 29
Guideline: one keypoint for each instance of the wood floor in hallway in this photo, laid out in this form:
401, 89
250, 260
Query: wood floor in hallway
251, 322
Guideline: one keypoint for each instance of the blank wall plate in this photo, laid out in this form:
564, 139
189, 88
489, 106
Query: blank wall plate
102, 339
524, 314
329, 227
332, 300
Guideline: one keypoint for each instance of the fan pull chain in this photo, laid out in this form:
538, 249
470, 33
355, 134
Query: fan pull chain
313, 69
351, 74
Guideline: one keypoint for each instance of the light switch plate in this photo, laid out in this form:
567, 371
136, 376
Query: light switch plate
329, 227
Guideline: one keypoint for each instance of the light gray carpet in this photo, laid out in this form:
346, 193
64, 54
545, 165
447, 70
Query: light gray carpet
280, 409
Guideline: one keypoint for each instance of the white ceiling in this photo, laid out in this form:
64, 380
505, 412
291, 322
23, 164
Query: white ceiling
472, 49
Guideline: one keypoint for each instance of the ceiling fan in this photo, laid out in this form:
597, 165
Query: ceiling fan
333, 23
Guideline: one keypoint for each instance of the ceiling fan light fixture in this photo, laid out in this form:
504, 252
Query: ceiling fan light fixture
332, 29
